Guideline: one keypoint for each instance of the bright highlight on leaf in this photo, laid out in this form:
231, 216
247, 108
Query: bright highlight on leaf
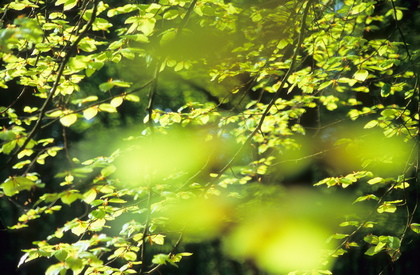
90, 113
361, 75
68, 120
14, 185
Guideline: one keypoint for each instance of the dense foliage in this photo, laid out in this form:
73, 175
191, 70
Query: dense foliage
209, 136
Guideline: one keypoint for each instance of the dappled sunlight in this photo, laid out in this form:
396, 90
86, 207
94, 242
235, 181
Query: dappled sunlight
369, 149
153, 159
279, 245
199, 219
282, 234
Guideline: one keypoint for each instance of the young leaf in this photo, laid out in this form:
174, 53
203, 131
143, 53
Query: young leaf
415, 227
117, 101
361, 75
106, 86
14, 185
109, 170
68, 119
90, 113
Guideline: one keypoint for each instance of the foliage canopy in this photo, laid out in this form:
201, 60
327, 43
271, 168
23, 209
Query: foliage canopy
283, 134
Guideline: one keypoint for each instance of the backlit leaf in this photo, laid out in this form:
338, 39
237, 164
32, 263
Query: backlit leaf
415, 227
106, 86
117, 101
90, 113
361, 75
14, 185
109, 170
68, 119
106, 107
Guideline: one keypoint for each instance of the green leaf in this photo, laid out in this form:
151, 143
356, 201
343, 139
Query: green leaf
8, 147
168, 36
158, 239
90, 113
116, 200
393, 242
367, 197
70, 196
388, 206
130, 256
171, 14
386, 90
325, 85
160, 259
109, 170
101, 24
56, 269
398, 15
372, 239
375, 180
361, 75
120, 10
68, 120
90, 196
68, 4
117, 101
106, 107
75, 264
415, 227
61, 255
283, 43
146, 26
120, 83
14, 185
80, 228
106, 86
373, 250
371, 124
132, 98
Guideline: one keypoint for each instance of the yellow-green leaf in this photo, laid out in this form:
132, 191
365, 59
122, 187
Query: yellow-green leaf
68, 119
70, 197
89, 196
109, 170
133, 98
117, 101
80, 229
90, 113
361, 75
106, 107
14, 185
415, 227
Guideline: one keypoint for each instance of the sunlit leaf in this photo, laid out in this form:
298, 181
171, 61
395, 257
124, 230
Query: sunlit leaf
106, 86
90, 113
361, 75
14, 185
109, 170
68, 120
117, 101
69, 197
132, 97
415, 227
106, 107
